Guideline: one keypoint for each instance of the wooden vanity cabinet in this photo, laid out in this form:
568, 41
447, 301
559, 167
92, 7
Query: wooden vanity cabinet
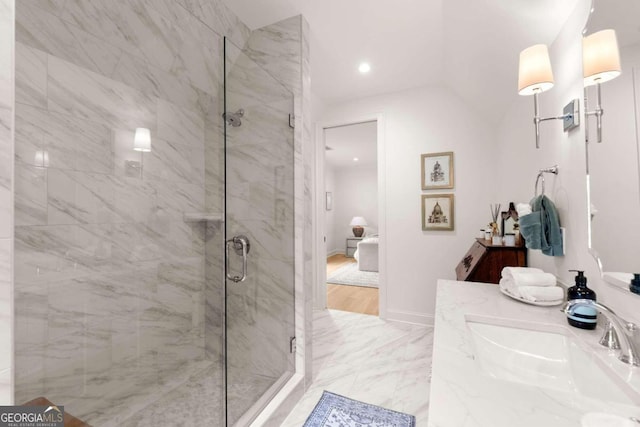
484, 261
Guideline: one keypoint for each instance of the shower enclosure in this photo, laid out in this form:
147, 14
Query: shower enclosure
152, 288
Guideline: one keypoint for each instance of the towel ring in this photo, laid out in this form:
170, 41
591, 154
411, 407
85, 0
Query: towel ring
540, 175
552, 169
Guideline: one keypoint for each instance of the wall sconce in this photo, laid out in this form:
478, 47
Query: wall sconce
142, 140
601, 63
534, 77
42, 158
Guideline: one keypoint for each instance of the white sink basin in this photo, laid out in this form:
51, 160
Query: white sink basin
548, 360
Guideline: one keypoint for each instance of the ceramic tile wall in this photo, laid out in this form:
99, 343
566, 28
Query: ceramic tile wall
6, 198
111, 283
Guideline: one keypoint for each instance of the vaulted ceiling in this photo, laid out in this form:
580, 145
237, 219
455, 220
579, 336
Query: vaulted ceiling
470, 45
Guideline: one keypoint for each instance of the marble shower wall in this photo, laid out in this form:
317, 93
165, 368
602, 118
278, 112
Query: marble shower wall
111, 284
260, 202
283, 50
6, 198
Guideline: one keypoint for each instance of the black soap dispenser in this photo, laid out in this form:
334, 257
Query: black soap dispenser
635, 284
583, 317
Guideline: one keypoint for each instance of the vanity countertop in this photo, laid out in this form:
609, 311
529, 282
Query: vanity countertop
464, 395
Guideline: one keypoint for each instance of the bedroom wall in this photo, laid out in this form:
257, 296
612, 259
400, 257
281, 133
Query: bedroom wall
423, 120
330, 216
355, 194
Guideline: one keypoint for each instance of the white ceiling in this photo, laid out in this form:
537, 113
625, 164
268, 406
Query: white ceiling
347, 142
470, 45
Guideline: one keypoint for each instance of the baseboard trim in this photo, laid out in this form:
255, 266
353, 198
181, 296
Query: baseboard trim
335, 252
410, 317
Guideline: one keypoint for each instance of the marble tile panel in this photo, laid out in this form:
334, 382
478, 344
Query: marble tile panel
151, 80
45, 31
6, 53
180, 198
180, 126
30, 195
32, 125
6, 166
217, 16
135, 201
31, 315
169, 161
136, 242
79, 144
87, 95
249, 85
31, 76
143, 32
52, 253
79, 197
277, 48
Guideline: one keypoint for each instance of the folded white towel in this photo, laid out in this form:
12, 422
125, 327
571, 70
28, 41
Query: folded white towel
538, 294
508, 272
534, 279
523, 209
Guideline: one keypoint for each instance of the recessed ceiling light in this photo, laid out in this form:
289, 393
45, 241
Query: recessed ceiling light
364, 68
355, 159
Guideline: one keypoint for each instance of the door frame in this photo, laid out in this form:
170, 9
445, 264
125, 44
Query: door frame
320, 270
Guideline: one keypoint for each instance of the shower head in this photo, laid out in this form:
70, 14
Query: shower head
234, 119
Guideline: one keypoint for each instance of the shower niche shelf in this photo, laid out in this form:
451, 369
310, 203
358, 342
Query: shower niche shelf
203, 217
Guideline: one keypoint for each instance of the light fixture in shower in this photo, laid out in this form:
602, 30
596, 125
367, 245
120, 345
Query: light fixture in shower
142, 140
234, 119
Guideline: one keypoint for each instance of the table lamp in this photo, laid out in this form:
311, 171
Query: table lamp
358, 223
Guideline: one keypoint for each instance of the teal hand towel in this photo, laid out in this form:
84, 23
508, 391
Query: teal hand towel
531, 230
550, 237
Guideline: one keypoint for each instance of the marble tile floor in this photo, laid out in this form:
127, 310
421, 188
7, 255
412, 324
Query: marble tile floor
199, 401
368, 359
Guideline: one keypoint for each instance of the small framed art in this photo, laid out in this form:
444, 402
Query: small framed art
437, 212
437, 171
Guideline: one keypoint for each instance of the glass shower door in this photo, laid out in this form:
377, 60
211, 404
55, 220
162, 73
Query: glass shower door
259, 227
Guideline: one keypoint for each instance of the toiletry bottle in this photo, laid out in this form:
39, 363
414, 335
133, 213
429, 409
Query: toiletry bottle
635, 284
584, 317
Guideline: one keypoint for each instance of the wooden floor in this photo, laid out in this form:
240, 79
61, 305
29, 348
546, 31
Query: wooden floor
356, 299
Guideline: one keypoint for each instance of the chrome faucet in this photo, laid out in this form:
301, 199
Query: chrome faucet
627, 332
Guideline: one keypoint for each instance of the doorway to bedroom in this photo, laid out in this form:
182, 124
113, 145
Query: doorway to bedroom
351, 218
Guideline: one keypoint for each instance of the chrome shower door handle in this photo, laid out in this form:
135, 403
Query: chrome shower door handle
241, 247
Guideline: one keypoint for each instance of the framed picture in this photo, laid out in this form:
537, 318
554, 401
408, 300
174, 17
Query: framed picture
437, 212
437, 170
328, 202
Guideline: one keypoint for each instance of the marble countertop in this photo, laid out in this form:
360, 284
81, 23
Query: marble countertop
463, 395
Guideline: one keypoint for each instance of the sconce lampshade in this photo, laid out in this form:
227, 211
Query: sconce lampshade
534, 73
600, 57
142, 140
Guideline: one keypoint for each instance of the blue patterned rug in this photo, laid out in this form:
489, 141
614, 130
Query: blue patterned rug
334, 410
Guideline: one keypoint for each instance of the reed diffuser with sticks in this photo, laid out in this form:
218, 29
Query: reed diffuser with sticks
495, 233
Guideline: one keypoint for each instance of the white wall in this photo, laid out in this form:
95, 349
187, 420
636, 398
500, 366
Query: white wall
355, 194
519, 161
329, 218
423, 120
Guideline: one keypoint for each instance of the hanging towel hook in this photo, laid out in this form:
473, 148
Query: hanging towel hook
552, 169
